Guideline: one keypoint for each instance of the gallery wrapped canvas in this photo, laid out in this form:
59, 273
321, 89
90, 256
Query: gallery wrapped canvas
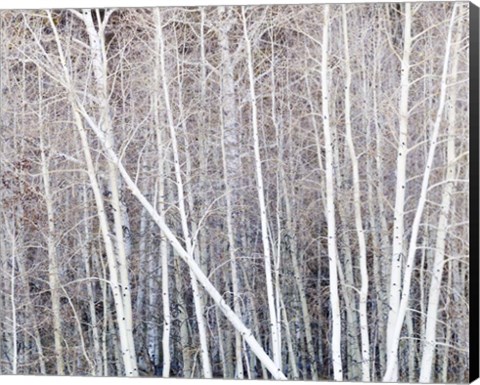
276, 191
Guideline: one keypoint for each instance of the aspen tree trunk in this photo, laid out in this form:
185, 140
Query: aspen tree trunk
3, 276
229, 346
379, 249
255, 322
90, 292
105, 302
207, 370
358, 213
13, 307
299, 284
165, 274
164, 256
346, 273
291, 352
121, 226
235, 279
192, 207
261, 199
392, 352
347, 281
410, 349
318, 145
277, 254
4, 286
398, 221
445, 361
113, 348
187, 361
161, 152
128, 352
231, 163
221, 339
380, 241
21, 262
142, 274
152, 337
53, 277
30, 308
330, 207
428, 352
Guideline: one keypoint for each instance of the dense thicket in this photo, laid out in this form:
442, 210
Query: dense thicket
312, 161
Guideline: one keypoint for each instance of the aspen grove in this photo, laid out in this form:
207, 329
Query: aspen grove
256, 192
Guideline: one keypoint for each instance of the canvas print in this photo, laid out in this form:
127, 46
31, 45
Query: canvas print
238, 192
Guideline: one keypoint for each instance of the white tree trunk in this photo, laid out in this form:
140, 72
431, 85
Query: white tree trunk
120, 222
14, 326
231, 164
428, 352
261, 200
330, 207
90, 289
161, 151
398, 221
207, 370
53, 277
390, 373
358, 213
128, 352
112, 186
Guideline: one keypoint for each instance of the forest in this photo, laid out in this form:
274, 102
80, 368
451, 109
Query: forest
240, 192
